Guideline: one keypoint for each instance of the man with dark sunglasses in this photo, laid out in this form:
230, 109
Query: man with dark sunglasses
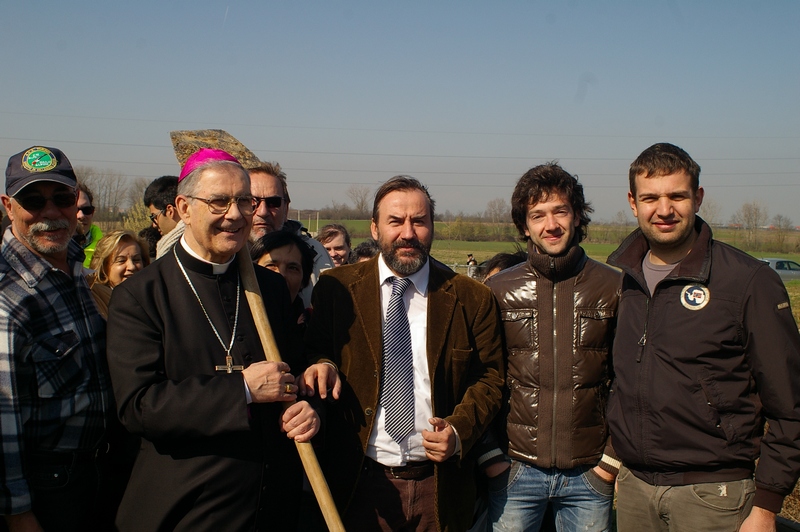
159, 198
87, 234
268, 184
56, 399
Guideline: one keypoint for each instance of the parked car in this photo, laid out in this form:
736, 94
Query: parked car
789, 270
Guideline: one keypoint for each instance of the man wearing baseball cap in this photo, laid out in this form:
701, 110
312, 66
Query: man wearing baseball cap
54, 385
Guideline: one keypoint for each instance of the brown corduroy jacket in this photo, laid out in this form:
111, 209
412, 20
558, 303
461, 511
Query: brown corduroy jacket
464, 359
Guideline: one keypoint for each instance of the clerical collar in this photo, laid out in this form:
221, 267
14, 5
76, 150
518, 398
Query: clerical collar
418, 279
217, 268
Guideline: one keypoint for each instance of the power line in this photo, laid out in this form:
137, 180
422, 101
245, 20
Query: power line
217, 125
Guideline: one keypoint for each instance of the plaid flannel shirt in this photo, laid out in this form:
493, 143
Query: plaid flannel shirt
54, 381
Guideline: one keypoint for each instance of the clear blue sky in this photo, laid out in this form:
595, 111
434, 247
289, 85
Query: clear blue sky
465, 96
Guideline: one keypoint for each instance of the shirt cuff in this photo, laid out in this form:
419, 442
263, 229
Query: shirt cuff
457, 450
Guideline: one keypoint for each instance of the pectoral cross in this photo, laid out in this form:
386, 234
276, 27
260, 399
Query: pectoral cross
229, 367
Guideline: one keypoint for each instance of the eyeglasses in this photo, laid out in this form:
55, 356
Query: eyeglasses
221, 205
37, 202
87, 211
154, 216
272, 202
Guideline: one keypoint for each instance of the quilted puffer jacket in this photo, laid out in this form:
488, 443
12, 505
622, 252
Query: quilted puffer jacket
559, 316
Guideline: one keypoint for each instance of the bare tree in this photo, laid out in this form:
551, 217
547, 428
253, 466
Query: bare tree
622, 218
710, 212
782, 225
134, 194
751, 217
109, 189
359, 195
498, 211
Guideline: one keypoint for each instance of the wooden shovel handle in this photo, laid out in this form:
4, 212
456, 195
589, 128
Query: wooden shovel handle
305, 449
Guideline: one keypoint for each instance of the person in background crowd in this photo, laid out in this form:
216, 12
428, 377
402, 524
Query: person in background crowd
407, 410
86, 234
364, 251
55, 388
500, 262
159, 198
269, 187
118, 255
472, 265
151, 236
706, 352
286, 253
336, 240
191, 379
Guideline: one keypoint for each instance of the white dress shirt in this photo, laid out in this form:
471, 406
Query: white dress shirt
381, 447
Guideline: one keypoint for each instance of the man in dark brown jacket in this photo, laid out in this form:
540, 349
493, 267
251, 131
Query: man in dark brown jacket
706, 352
559, 313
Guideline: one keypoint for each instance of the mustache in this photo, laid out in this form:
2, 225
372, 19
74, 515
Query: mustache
401, 243
49, 225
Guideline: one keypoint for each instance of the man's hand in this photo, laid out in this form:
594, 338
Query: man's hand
24, 522
300, 422
603, 474
270, 382
441, 443
759, 520
321, 377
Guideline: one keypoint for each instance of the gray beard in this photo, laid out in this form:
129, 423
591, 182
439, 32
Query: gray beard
52, 247
404, 268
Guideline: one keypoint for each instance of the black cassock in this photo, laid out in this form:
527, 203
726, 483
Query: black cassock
208, 461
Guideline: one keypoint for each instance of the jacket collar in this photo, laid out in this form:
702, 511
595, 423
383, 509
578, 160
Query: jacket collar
695, 266
365, 291
556, 267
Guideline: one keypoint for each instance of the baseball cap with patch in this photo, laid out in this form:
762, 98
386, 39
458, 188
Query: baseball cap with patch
38, 163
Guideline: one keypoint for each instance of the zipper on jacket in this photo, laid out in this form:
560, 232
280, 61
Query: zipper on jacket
555, 362
643, 340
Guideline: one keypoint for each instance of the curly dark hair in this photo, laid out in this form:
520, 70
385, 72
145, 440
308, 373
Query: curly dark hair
537, 184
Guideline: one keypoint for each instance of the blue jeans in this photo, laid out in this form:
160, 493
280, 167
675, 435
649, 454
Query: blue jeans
519, 497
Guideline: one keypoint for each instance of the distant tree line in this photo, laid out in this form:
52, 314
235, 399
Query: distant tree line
119, 203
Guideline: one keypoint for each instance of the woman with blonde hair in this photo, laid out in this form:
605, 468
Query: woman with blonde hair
119, 254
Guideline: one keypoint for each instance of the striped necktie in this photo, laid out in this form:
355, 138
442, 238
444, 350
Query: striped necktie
397, 378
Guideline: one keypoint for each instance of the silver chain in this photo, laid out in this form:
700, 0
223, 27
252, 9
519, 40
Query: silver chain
236, 316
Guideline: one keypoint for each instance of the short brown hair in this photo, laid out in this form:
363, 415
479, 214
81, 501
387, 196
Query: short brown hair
331, 231
663, 159
401, 182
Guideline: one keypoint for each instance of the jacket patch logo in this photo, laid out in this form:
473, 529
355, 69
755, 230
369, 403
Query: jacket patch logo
695, 296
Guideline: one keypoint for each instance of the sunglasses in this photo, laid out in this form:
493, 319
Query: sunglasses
272, 202
37, 202
87, 211
154, 215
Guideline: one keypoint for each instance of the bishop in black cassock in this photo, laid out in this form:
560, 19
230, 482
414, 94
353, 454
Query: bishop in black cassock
209, 460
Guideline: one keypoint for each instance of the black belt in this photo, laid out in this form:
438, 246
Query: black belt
67, 458
410, 471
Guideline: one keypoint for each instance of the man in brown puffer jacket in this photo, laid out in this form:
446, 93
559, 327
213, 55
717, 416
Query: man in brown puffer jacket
559, 314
